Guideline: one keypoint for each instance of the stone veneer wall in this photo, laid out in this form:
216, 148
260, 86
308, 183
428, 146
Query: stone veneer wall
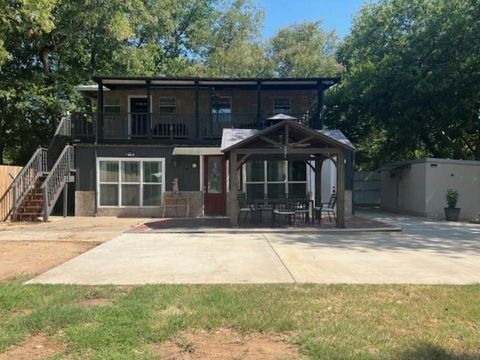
84, 203
85, 206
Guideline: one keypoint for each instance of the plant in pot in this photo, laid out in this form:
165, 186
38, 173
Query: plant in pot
452, 213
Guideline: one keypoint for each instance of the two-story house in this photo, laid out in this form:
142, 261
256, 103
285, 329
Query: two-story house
146, 137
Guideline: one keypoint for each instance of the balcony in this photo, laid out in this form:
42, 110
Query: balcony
171, 128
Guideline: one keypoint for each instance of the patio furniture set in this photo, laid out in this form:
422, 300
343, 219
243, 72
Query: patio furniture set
287, 208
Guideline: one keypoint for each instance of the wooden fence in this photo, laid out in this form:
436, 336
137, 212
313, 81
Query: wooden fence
7, 174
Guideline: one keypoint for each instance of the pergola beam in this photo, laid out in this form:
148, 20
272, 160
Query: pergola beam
270, 141
271, 151
242, 161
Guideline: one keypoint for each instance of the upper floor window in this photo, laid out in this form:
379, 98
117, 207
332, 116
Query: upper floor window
222, 105
222, 109
112, 104
168, 105
282, 105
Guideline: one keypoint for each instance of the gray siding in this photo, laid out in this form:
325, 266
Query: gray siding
180, 167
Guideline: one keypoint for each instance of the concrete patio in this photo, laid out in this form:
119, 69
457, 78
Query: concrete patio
426, 252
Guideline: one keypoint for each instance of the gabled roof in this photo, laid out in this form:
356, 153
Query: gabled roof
235, 138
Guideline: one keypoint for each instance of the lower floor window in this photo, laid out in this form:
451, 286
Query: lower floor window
275, 179
130, 182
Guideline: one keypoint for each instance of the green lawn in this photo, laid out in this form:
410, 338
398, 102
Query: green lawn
325, 322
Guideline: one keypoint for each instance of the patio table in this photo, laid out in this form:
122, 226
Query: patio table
268, 205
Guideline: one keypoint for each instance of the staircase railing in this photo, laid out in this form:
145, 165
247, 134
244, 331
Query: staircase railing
57, 178
61, 138
23, 183
64, 128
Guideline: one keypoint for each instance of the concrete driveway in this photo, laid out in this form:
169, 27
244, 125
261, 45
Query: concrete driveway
427, 252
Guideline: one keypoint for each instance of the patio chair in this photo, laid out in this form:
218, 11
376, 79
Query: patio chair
328, 208
285, 209
245, 208
261, 206
302, 208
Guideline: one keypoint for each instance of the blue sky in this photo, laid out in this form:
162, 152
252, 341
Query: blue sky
334, 14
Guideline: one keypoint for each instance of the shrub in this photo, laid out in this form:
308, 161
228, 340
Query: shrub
452, 198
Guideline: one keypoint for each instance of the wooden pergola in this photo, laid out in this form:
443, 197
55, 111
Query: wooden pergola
286, 140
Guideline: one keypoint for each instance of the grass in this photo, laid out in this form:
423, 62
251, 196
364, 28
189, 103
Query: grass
325, 322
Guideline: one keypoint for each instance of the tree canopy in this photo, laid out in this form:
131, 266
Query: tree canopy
410, 69
411, 86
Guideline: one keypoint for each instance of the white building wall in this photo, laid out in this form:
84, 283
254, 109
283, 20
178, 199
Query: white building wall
463, 176
421, 188
329, 179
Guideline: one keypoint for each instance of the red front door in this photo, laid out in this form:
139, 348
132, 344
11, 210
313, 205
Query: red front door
215, 198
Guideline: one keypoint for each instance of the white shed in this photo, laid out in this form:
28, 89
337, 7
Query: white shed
418, 187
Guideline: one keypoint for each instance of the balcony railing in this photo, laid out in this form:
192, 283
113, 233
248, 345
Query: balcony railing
172, 127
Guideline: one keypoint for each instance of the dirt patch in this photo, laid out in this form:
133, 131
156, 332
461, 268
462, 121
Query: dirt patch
226, 344
34, 257
33, 348
74, 228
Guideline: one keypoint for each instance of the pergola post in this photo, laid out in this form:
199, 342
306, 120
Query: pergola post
232, 195
318, 181
340, 189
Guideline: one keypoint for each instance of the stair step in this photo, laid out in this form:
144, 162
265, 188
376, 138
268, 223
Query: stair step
27, 217
32, 202
35, 208
30, 205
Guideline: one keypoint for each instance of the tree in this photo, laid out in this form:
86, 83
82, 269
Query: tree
304, 50
47, 47
411, 86
235, 48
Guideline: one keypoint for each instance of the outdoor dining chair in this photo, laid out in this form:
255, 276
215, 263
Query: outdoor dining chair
286, 210
261, 206
328, 208
245, 208
302, 208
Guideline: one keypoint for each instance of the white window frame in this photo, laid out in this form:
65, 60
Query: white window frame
120, 182
282, 97
105, 105
265, 181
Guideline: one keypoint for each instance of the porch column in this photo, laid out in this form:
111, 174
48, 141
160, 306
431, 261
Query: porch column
318, 122
232, 195
149, 112
259, 105
99, 122
197, 114
340, 189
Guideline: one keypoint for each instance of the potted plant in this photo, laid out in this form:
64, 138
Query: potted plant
452, 213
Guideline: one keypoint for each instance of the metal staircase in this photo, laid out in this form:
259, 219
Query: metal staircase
35, 190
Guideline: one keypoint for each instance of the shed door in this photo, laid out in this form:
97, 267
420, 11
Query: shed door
215, 197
